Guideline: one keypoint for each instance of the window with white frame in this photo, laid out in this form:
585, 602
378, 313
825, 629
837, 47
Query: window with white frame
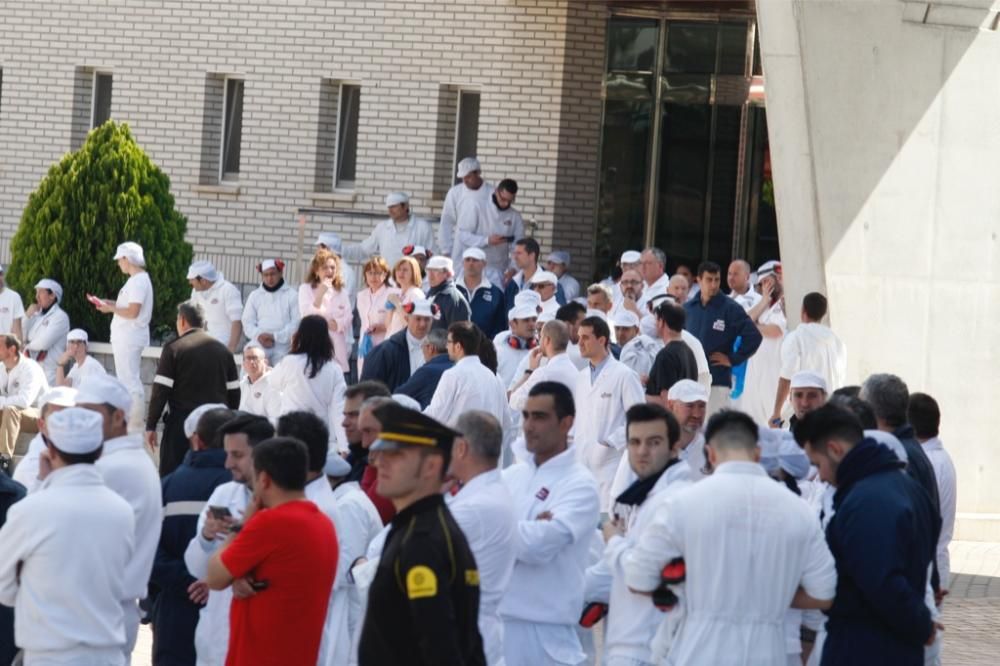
100, 103
232, 129
466, 127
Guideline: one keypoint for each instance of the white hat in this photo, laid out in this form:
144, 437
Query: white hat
191, 422
630, 257
546, 317
423, 308
336, 465
527, 297
808, 379
526, 311
76, 431
77, 334
559, 257
132, 252
60, 396
204, 269
542, 277
415, 250
268, 264
768, 268
103, 389
467, 166
687, 390
52, 286
441, 263
406, 401
778, 450
396, 198
600, 314
474, 253
625, 319
331, 241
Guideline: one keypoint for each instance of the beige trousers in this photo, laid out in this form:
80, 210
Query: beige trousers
12, 421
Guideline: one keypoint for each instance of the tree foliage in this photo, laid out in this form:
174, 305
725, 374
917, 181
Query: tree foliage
105, 193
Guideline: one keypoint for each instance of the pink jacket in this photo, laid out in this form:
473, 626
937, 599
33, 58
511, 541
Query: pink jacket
336, 306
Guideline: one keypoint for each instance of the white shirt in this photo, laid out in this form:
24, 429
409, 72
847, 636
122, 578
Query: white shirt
550, 306
478, 219
763, 368
26, 472
570, 285
129, 471
573, 351
335, 643
415, 348
947, 483
483, 509
223, 305
508, 358
274, 312
639, 353
90, 367
137, 289
45, 337
599, 429
62, 546
258, 397
747, 300
748, 544
449, 213
658, 288
388, 240
11, 309
814, 347
323, 395
465, 386
559, 368
22, 385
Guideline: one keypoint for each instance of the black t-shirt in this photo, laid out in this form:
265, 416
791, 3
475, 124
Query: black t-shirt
673, 363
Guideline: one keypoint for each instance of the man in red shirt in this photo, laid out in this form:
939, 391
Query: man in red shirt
288, 548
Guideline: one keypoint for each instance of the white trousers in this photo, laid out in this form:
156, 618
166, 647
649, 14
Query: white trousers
718, 399
78, 656
128, 366
131, 608
531, 644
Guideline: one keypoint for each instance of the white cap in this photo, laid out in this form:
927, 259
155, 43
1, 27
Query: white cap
630, 257
474, 253
331, 241
441, 263
77, 334
527, 297
808, 379
268, 264
76, 431
191, 422
591, 312
396, 198
415, 250
768, 268
204, 269
423, 308
559, 257
52, 286
467, 166
542, 277
132, 252
406, 401
625, 319
103, 389
336, 465
687, 390
60, 396
526, 311
778, 450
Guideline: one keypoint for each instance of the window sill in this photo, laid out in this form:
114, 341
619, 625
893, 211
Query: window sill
230, 189
332, 198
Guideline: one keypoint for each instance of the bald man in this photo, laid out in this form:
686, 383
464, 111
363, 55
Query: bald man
741, 289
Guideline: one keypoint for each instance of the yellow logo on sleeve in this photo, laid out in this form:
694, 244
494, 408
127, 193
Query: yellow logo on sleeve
421, 583
472, 577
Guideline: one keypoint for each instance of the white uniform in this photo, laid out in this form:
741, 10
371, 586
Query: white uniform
45, 338
573, 351
129, 471
478, 219
11, 309
211, 635
335, 644
323, 395
90, 367
129, 337
22, 385
223, 305
599, 430
944, 473
639, 353
258, 397
274, 312
658, 288
469, 385
483, 509
388, 240
763, 368
570, 285
508, 358
26, 472
747, 300
814, 347
748, 544
550, 307
559, 368
544, 598
64, 549
456, 196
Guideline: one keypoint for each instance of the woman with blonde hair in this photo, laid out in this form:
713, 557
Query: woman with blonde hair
323, 293
371, 306
408, 278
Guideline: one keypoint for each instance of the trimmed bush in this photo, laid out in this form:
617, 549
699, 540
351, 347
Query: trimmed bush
106, 193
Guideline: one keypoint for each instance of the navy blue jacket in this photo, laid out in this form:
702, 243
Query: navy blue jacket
10, 492
716, 326
489, 309
175, 616
454, 306
882, 538
422, 384
389, 362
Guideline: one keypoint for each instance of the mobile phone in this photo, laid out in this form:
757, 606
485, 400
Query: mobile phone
220, 512
259, 585
94, 299
509, 239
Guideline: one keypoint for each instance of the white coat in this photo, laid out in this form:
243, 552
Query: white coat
22, 385
478, 219
508, 358
388, 240
571, 287
546, 587
763, 368
335, 644
45, 338
469, 385
447, 227
599, 429
658, 288
559, 368
323, 395
947, 483
223, 305
274, 312
64, 549
210, 636
258, 397
816, 348
90, 367
26, 472
639, 353
11, 309
483, 509
748, 544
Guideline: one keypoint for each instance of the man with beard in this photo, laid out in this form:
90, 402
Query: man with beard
271, 313
491, 224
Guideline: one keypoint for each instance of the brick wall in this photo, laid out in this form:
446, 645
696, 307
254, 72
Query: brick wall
537, 64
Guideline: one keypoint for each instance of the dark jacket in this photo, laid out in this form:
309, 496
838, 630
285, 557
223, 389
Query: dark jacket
882, 538
489, 309
389, 362
424, 381
716, 326
453, 304
175, 616
10, 492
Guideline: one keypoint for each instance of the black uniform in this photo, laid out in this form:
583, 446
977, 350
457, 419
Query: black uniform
423, 606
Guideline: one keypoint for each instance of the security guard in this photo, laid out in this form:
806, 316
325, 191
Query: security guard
423, 604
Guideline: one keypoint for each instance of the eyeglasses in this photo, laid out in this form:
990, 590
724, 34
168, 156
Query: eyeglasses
631, 281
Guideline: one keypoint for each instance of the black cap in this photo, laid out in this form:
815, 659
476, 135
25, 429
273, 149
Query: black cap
402, 426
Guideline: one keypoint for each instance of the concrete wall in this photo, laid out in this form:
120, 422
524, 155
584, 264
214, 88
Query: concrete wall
886, 151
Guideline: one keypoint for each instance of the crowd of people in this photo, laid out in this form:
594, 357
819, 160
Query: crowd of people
526, 468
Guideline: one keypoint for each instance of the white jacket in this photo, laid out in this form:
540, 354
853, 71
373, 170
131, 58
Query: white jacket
816, 348
478, 219
259, 398
336, 642
388, 240
64, 549
323, 395
469, 385
274, 312
599, 429
559, 368
45, 338
223, 305
449, 213
22, 385
639, 353
763, 368
508, 358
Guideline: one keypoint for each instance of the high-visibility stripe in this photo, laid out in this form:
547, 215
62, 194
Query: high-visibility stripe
165, 381
183, 509
233, 385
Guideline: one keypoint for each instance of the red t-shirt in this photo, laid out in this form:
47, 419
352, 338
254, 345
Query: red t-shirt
293, 547
369, 484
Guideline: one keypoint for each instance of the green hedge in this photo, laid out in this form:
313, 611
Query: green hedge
107, 192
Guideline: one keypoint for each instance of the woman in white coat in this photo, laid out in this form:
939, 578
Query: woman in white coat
324, 293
